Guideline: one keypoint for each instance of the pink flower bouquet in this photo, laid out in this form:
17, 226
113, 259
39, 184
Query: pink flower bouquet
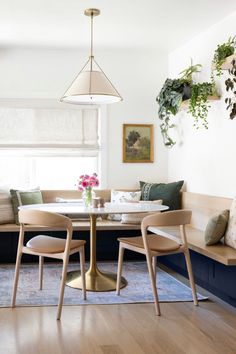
88, 182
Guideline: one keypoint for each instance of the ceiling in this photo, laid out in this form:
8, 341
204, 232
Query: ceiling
161, 24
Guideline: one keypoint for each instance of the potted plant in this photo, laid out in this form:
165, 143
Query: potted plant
223, 51
230, 84
172, 94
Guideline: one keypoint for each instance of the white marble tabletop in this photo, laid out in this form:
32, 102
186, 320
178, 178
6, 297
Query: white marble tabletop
110, 208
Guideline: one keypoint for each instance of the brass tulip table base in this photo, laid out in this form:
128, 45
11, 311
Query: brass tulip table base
95, 279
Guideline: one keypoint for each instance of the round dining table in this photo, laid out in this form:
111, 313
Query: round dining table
96, 280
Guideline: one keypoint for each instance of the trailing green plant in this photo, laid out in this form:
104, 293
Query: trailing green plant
169, 100
223, 51
199, 104
230, 84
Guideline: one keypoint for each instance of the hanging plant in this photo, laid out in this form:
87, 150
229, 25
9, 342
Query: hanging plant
199, 104
173, 92
230, 84
221, 53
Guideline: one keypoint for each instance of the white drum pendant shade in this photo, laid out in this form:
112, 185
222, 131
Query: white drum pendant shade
91, 87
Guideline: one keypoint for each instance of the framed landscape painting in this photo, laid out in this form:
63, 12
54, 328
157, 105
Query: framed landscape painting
137, 143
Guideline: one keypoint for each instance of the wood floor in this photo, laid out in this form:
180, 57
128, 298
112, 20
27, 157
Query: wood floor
119, 329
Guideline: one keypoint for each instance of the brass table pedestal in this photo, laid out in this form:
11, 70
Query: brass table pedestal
95, 279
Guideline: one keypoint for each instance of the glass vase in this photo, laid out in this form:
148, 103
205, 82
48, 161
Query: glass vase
87, 196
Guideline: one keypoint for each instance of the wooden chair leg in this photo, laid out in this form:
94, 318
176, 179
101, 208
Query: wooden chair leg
153, 283
62, 288
82, 268
154, 265
191, 278
41, 261
119, 270
16, 278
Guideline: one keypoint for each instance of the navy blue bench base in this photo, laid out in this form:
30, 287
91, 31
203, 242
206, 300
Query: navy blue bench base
218, 278
107, 245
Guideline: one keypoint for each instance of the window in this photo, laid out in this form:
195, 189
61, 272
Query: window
49, 148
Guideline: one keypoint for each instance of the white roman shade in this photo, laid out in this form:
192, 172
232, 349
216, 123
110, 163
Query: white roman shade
49, 128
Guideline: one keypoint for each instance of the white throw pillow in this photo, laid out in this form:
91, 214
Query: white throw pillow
6, 208
230, 235
137, 218
119, 197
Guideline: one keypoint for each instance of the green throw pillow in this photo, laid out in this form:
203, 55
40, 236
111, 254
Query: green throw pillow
168, 192
24, 198
216, 227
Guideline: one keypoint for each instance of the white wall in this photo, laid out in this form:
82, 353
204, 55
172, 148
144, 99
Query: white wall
205, 159
138, 75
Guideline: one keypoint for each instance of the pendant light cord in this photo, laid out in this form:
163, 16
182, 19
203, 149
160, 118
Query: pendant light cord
91, 44
91, 56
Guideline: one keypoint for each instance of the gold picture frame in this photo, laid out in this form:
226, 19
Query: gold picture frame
138, 143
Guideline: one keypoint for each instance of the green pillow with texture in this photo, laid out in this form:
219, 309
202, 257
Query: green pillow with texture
168, 192
23, 198
216, 227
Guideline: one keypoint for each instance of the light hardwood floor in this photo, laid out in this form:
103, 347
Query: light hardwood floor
120, 329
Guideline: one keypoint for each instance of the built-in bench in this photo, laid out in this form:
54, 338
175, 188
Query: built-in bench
213, 265
203, 207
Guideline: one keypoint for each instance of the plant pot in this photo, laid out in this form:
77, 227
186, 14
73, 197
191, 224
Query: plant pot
186, 92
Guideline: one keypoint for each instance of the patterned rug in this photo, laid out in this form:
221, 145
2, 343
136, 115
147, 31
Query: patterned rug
138, 289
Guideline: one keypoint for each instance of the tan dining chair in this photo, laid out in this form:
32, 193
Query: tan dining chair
48, 246
157, 244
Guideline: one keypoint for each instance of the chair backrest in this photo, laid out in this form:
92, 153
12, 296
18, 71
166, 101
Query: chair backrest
44, 218
170, 218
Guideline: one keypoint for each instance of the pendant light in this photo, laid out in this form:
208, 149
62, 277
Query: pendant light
91, 86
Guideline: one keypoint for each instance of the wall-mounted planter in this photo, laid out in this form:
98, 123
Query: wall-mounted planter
185, 104
228, 62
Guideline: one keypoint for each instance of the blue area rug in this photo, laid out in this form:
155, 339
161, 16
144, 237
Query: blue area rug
138, 289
